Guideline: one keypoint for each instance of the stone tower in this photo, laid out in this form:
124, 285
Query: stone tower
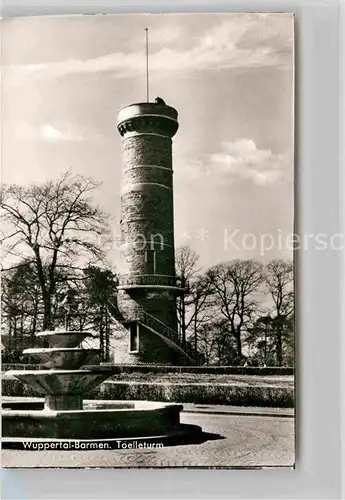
148, 286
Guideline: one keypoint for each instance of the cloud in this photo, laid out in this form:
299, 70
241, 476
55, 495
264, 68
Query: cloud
188, 170
164, 33
241, 41
51, 133
242, 160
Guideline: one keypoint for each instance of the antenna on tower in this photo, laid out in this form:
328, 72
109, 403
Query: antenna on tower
147, 64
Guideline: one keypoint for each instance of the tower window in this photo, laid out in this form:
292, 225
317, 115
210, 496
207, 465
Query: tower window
150, 258
133, 337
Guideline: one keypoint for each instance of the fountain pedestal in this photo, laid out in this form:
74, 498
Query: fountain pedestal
63, 402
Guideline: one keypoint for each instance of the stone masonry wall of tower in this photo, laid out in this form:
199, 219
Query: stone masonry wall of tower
147, 283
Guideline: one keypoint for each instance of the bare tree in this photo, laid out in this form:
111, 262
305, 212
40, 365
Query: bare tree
101, 292
207, 342
21, 307
54, 224
260, 338
235, 285
199, 308
186, 269
278, 278
193, 307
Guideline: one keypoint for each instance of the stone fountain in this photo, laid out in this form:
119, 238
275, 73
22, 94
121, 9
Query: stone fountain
64, 415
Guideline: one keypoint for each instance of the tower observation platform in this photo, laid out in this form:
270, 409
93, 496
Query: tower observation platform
148, 285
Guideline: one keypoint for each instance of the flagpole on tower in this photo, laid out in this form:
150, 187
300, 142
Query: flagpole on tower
147, 64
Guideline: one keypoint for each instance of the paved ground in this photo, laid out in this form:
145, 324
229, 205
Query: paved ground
238, 437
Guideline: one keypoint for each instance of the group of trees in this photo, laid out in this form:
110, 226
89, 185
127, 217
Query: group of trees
55, 239
237, 312
55, 242
83, 302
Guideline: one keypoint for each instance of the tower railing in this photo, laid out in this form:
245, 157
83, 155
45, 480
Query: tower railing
128, 279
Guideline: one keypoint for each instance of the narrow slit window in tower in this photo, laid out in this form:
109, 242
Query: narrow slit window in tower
150, 257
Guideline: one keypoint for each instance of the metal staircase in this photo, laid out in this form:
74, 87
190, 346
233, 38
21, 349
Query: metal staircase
155, 326
167, 334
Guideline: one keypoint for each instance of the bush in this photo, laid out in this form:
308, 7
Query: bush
220, 394
13, 387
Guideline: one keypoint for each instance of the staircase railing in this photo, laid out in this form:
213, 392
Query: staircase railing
160, 329
157, 326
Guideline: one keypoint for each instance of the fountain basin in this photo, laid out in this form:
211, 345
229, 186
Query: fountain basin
65, 357
98, 420
58, 382
63, 338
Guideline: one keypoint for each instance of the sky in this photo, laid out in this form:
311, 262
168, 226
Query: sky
231, 79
